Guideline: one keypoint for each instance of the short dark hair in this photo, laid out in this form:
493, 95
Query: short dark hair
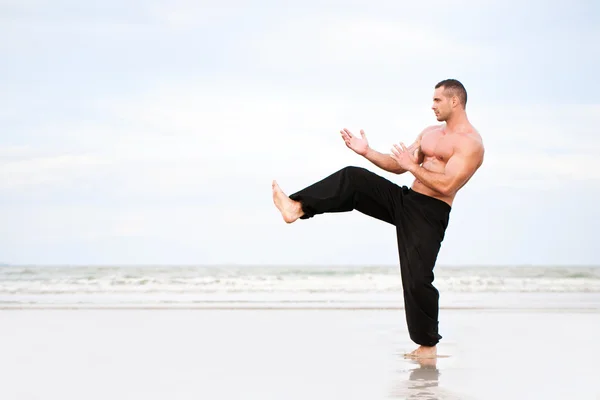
455, 88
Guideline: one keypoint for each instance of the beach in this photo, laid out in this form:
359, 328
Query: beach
293, 332
294, 354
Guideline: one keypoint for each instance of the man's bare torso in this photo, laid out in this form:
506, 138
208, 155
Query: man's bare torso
437, 147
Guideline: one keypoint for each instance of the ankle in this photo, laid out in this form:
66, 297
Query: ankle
298, 208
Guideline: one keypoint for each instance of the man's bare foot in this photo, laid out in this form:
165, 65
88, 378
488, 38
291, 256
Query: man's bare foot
423, 352
426, 362
290, 210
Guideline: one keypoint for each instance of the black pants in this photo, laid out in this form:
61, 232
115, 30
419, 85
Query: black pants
420, 221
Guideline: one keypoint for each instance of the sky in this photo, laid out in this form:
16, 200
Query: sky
146, 132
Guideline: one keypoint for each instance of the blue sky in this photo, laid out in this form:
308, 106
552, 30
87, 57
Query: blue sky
148, 133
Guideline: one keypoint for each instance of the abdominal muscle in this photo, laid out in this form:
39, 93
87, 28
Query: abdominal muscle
432, 164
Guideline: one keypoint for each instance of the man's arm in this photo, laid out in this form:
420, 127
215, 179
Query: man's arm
459, 169
386, 162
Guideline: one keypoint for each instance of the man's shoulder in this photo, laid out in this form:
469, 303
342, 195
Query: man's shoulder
432, 128
469, 136
470, 143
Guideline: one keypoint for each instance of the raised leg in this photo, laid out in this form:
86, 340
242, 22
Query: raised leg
351, 188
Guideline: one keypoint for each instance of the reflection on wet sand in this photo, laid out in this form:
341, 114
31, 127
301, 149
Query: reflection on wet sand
422, 382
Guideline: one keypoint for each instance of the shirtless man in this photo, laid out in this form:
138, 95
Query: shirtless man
442, 159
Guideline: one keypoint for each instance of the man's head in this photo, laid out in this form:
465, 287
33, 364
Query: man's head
449, 97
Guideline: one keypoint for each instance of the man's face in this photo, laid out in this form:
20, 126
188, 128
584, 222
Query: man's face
442, 106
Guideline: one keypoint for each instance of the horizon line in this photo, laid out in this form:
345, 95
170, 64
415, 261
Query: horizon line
292, 265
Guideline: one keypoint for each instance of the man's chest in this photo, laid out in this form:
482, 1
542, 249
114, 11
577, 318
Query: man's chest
436, 144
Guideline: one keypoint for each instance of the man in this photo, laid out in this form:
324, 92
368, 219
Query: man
442, 159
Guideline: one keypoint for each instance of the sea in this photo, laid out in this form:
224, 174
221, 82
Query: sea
256, 286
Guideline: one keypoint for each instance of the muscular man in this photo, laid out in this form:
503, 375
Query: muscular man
442, 159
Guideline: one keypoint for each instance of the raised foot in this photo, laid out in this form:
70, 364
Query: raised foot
290, 210
422, 352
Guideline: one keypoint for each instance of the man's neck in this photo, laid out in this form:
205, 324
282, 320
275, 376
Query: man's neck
456, 122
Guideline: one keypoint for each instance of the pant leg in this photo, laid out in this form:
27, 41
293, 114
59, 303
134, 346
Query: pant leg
421, 298
420, 230
351, 188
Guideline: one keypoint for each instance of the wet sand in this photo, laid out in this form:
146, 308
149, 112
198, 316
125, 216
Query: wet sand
294, 354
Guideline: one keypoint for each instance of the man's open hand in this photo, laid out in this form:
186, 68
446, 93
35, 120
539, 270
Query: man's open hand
404, 156
359, 145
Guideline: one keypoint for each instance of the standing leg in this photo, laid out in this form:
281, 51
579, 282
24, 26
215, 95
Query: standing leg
420, 232
421, 298
351, 188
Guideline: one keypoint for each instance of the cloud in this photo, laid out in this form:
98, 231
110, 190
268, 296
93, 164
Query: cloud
179, 139
185, 14
544, 145
157, 128
352, 52
44, 170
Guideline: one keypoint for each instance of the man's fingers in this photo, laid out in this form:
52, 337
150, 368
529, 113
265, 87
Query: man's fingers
362, 133
346, 138
398, 148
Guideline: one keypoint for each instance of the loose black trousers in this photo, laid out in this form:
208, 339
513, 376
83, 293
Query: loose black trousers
420, 222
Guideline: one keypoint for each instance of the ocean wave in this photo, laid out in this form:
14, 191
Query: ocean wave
206, 280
